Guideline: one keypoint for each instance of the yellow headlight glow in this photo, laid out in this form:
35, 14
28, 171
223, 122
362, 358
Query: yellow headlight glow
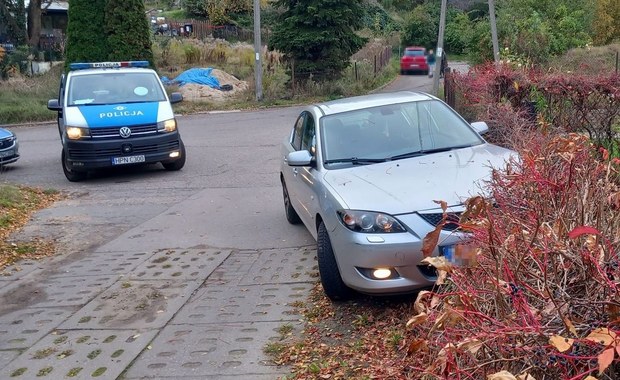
381, 273
170, 125
74, 133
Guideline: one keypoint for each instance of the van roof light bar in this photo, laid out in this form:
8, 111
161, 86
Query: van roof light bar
108, 65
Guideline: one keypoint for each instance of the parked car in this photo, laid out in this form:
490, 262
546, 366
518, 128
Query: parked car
414, 60
9, 147
363, 175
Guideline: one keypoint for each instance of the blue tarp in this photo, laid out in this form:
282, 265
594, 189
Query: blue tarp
196, 76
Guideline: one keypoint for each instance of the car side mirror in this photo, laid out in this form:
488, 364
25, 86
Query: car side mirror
480, 126
300, 158
176, 97
53, 105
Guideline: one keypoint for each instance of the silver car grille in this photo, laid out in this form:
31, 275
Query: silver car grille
452, 223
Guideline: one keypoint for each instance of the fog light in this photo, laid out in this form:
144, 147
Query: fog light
174, 154
382, 273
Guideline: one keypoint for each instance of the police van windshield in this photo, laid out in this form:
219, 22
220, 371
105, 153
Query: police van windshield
114, 88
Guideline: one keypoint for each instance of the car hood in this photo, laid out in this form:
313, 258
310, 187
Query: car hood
408, 185
4, 133
117, 115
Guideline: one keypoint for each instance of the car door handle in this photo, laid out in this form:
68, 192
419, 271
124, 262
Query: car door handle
295, 171
285, 159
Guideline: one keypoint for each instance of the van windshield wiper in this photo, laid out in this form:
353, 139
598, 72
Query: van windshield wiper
428, 151
356, 161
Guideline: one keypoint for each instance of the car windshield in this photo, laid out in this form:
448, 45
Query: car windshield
393, 132
414, 53
114, 87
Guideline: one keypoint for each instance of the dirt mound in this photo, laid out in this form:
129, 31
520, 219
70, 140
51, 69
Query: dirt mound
196, 92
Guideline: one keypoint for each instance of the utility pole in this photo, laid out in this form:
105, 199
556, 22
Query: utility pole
439, 53
494, 31
258, 65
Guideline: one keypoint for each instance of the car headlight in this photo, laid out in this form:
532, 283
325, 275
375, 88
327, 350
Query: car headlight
76, 133
369, 222
169, 125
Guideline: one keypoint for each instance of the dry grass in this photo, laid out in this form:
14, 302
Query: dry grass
17, 205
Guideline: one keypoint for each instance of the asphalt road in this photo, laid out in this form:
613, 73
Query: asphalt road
193, 271
235, 155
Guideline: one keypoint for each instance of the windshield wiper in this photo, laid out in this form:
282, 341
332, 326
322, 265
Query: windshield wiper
356, 161
427, 151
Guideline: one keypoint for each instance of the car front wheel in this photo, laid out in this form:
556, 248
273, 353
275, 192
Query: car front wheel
333, 286
72, 175
291, 214
179, 162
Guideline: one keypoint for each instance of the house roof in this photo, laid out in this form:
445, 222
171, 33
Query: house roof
56, 5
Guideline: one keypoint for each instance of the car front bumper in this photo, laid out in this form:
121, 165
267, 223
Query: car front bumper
358, 253
9, 154
93, 154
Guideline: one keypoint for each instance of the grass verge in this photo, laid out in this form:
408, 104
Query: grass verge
24, 99
17, 205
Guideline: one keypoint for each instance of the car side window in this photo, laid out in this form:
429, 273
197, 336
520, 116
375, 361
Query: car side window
308, 141
297, 133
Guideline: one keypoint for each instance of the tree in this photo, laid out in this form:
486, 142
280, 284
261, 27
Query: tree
127, 28
12, 14
606, 26
34, 22
318, 35
86, 40
195, 7
421, 28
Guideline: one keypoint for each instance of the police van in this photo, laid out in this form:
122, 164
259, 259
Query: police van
115, 114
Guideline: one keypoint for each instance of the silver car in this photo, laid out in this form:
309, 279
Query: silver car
363, 175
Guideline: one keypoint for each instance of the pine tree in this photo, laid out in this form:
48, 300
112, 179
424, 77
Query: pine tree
127, 28
319, 35
86, 37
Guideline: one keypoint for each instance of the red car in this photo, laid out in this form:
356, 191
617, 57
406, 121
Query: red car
414, 59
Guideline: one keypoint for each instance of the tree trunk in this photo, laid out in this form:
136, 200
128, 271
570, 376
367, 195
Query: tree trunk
34, 23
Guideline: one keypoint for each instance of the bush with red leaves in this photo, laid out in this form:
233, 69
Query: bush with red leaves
543, 298
549, 102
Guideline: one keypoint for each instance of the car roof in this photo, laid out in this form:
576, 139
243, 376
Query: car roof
129, 70
369, 101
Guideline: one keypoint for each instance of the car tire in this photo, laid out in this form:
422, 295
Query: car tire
291, 215
333, 286
72, 175
179, 162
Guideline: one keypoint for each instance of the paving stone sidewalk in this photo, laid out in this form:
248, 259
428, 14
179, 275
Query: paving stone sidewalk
196, 313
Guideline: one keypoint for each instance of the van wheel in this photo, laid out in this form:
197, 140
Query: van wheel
179, 162
333, 286
72, 175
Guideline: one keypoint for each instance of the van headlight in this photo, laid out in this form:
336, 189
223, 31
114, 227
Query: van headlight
169, 125
76, 133
369, 222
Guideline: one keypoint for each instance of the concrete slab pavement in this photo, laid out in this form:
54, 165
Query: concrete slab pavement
160, 301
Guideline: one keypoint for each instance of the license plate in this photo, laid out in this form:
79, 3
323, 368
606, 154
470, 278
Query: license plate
128, 160
7, 153
463, 255
415, 65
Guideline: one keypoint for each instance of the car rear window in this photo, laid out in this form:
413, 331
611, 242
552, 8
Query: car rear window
414, 53
114, 87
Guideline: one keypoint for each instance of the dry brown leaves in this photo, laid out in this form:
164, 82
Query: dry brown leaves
354, 340
14, 215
